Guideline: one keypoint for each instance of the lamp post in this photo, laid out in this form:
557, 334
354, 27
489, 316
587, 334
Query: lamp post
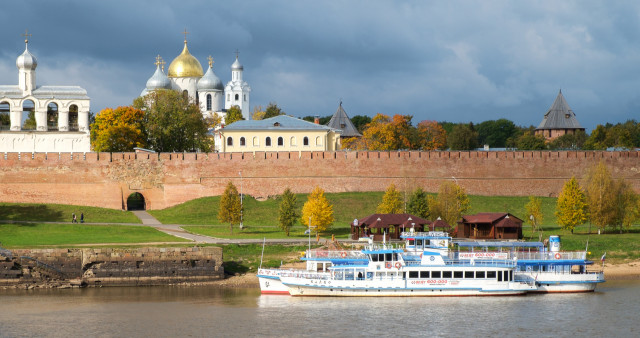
241, 198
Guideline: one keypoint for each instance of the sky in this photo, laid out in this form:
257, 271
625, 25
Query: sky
455, 61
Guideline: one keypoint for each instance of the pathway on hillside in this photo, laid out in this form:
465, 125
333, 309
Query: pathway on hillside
176, 230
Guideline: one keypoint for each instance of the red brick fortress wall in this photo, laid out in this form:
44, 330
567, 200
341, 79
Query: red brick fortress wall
167, 179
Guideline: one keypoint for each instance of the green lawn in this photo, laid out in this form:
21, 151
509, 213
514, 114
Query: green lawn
33, 234
62, 213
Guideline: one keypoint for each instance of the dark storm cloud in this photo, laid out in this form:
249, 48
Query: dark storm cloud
440, 60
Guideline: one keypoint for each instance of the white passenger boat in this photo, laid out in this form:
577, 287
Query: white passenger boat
393, 271
551, 270
317, 265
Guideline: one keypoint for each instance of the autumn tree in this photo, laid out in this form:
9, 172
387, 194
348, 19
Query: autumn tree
173, 123
571, 208
534, 212
418, 203
287, 213
386, 133
272, 110
118, 130
317, 211
452, 201
391, 201
233, 114
628, 205
230, 206
360, 121
601, 196
431, 136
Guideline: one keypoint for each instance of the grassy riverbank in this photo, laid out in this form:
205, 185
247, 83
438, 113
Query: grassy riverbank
62, 213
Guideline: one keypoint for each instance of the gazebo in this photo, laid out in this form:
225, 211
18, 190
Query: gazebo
490, 225
388, 225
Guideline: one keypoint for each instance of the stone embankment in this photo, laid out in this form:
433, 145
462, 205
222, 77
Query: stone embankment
110, 267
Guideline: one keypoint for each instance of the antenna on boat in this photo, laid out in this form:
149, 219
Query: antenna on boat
264, 239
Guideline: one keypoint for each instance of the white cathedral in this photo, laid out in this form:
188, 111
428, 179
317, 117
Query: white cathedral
61, 113
185, 74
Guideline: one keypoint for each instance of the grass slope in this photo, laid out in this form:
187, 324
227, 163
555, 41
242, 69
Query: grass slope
62, 213
26, 235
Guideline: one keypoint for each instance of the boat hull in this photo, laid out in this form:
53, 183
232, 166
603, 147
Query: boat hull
563, 283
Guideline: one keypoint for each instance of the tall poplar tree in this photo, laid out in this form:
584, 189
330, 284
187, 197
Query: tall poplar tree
571, 208
391, 201
418, 204
534, 212
287, 213
317, 211
451, 203
601, 196
230, 206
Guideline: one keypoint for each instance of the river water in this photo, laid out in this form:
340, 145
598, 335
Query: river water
612, 311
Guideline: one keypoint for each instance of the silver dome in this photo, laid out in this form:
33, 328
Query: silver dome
210, 81
236, 65
159, 80
26, 60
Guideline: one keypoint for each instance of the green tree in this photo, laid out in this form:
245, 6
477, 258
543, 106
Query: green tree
360, 121
495, 133
118, 130
172, 123
451, 203
5, 121
287, 214
534, 212
317, 210
230, 206
572, 141
628, 205
597, 139
571, 208
418, 203
323, 120
463, 137
391, 201
30, 122
233, 114
272, 110
530, 141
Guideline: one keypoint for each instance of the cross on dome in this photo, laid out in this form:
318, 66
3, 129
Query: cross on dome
210, 61
185, 35
237, 53
26, 36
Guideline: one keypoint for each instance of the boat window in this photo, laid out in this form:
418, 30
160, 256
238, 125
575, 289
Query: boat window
446, 274
499, 276
412, 242
457, 274
511, 275
419, 243
381, 257
338, 275
388, 257
374, 257
435, 274
348, 274
468, 274
413, 274
491, 274
424, 274
479, 274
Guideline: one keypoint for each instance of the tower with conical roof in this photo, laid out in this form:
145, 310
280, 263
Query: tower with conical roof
341, 121
559, 120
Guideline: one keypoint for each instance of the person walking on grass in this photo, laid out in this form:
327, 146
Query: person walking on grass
74, 219
82, 217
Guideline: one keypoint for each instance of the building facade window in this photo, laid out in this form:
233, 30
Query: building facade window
292, 141
267, 141
242, 142
280, 142
208, 101
245, 97
229, 141
256, 141
305, 141
237, 97
318, 141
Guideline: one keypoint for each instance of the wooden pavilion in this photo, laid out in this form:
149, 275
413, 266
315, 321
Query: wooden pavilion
388, 225
490, 225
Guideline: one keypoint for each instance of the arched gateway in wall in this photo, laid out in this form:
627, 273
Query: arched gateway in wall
136, 201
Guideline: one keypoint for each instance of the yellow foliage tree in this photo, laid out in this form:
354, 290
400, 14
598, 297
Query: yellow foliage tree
120, 129
571, 208
451, 203
317, 210
392, 202
431, 136
534, 212
601, 196
230, 206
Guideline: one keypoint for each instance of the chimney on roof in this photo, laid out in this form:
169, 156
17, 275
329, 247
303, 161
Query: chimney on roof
316, 119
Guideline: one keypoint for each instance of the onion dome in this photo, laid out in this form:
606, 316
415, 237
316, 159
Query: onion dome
158, 81
26, 60
185, 65
210, 81
236, 65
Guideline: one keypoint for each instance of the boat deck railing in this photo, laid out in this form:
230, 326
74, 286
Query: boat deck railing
548, 255
335, 254
470, 263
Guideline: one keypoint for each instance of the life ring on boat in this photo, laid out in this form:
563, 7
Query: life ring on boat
388, 265
558, 256
398, 265
343, 254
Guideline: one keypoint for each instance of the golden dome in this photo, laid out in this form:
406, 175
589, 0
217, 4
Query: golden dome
185, 65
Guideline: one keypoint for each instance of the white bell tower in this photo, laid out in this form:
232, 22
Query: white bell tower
237, 91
